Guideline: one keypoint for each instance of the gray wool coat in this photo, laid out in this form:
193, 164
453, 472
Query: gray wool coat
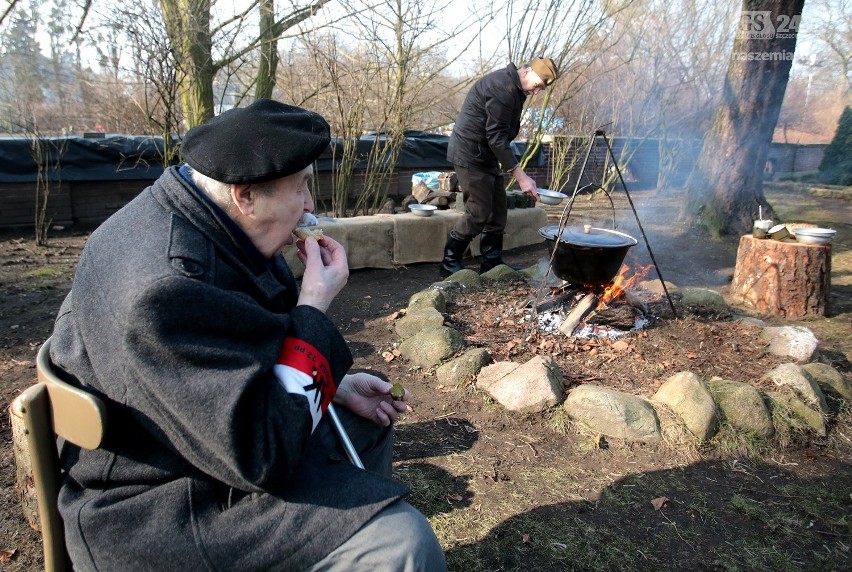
209, 463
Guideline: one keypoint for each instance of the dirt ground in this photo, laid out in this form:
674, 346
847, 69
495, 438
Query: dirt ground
537, 492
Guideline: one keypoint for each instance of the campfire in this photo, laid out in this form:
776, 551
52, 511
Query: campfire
585, 311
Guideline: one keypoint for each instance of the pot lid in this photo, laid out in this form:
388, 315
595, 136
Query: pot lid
596, 237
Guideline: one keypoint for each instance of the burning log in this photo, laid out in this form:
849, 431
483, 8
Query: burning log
555, 301
621, 316
582, 309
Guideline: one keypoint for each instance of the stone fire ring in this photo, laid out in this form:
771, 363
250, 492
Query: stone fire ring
686, 404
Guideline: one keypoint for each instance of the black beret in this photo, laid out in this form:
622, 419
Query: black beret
266, 140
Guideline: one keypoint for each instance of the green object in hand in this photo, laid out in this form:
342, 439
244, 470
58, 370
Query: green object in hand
397, 391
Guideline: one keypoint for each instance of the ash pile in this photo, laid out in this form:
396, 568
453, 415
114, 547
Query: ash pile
626, 305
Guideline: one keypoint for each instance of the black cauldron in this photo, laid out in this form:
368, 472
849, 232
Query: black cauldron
589, 256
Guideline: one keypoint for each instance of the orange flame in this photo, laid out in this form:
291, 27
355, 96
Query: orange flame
621, 283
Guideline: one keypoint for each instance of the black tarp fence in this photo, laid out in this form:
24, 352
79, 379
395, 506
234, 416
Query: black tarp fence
107, 158
129, 157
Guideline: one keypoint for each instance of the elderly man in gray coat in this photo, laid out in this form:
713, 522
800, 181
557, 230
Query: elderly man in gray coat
217, 373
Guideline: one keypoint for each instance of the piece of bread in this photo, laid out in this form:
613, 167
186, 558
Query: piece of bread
303, 232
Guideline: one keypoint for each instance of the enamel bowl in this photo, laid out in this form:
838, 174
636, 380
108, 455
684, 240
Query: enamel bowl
422, 210
549, 197
814, 235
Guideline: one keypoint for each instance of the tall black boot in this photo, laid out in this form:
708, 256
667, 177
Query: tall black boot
491, 249
453, 253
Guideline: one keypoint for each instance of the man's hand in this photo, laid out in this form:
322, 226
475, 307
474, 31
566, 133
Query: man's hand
369, 397
526, 183
326, 271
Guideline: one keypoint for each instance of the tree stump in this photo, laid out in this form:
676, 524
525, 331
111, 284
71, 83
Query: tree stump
783, 278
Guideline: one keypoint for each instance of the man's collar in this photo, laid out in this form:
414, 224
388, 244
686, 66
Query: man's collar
230, 225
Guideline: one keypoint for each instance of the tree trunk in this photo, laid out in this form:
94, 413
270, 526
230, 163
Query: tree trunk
188, 27
268, 51
726, 186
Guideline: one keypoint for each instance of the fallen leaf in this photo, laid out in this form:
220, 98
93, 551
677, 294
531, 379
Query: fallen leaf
526, 539
691, 355
393, 317
455, 498
388, 356
7, 555
620, 346
659, 502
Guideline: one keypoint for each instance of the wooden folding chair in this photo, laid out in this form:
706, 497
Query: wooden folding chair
52, 408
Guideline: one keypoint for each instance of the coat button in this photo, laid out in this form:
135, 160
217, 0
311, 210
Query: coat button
335, 457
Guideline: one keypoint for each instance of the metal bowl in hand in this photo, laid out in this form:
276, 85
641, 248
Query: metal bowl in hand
549, 197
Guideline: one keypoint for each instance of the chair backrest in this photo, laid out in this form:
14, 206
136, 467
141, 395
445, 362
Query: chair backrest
49, 408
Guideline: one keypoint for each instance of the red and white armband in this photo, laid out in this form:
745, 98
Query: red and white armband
303, 370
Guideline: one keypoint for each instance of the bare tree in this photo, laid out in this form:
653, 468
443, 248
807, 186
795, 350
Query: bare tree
669, 83
8, 10
345, 104
12, 5
726, 187
385, 71
575, 33
188, 26
22, 67
832, 25
47, 155
157, 95
271, 29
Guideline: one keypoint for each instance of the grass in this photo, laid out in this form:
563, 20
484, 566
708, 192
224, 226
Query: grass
565, 514
741, 443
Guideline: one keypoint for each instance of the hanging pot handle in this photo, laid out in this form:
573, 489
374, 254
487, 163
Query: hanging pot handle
591, 188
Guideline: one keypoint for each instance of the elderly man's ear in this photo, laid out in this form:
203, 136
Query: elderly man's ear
243, 197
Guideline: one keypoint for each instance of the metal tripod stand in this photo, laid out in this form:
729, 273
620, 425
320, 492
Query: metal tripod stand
563, 220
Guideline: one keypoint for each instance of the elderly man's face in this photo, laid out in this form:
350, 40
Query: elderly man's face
531, 83
275, 212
